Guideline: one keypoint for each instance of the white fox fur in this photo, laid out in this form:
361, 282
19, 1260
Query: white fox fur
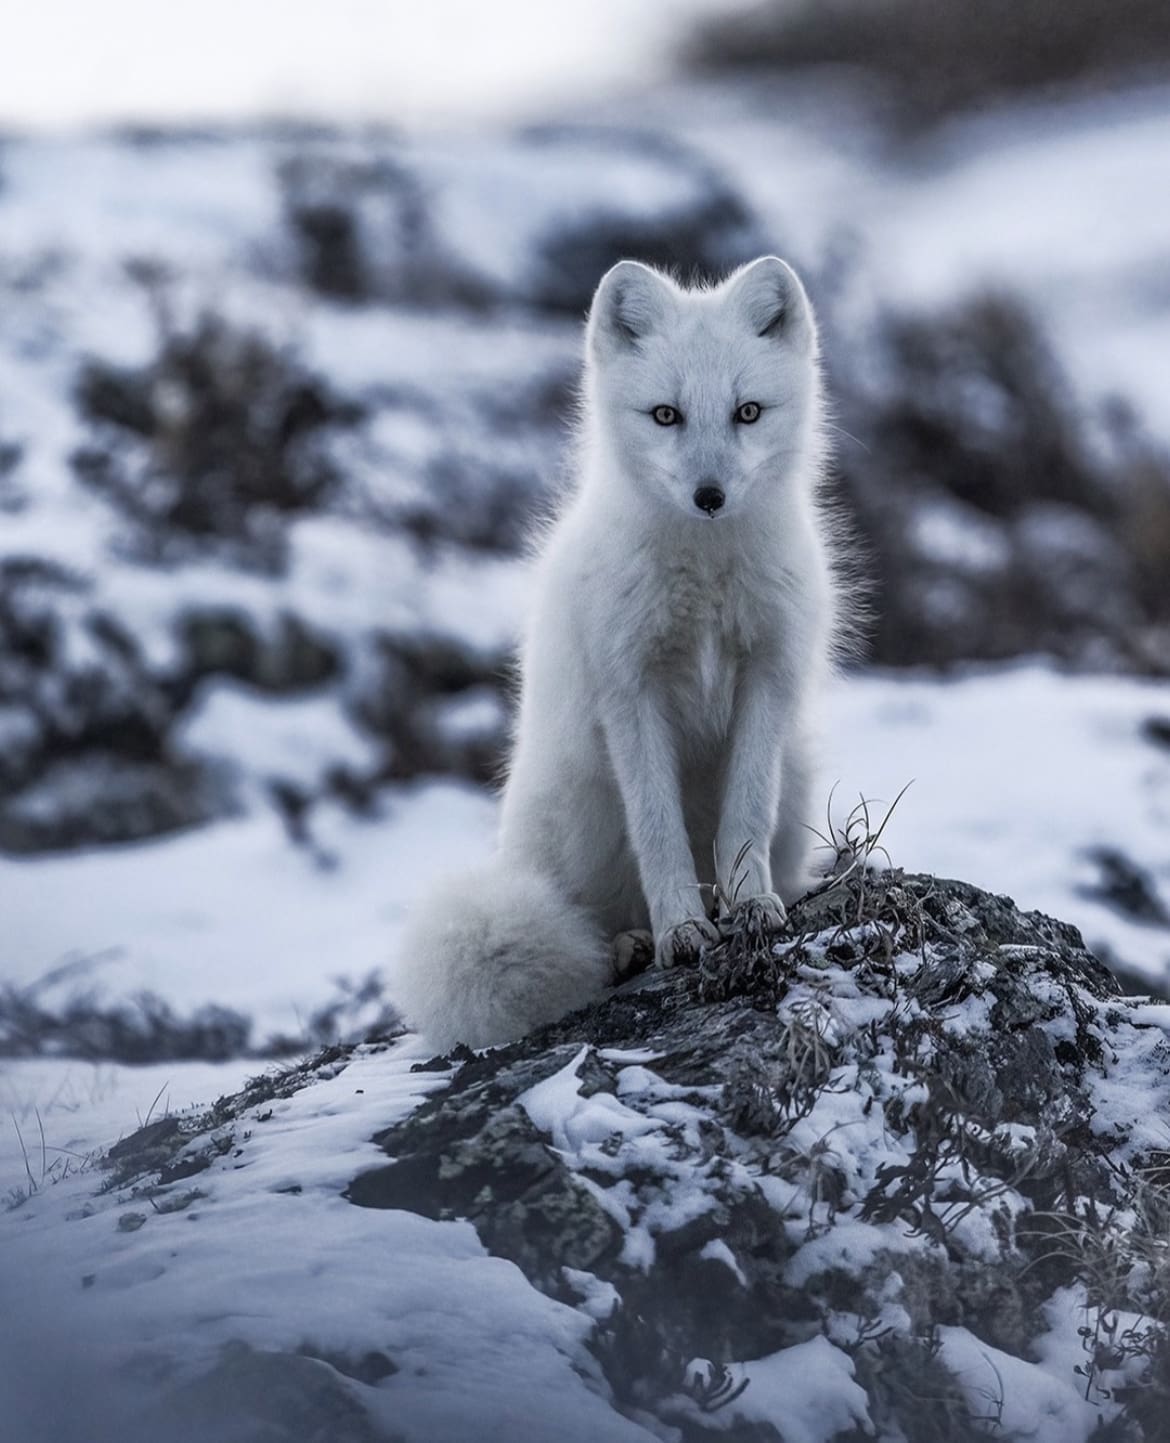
671, 667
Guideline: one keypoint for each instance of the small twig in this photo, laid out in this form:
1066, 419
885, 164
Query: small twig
32, 1182
150, 1109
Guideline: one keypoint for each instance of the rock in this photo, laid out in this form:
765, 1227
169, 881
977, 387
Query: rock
800, 1142
847, 1137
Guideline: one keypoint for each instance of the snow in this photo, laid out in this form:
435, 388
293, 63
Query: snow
81, 1108
1134, 1098
200, 205
959, 536
263, 1250
297, 740
1063, 1345
234, 913
598, 1298
849, 1245
1057, 201
602, 1136
809, 1387
1029, 1404
808, 1391
1017, 775
546, 186
580, 1126
475, 713
721, 1253
1018, 772
1103, 147
249, 1261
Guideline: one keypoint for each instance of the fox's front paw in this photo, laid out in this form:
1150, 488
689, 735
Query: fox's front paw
762, 916
633, 952
681, 944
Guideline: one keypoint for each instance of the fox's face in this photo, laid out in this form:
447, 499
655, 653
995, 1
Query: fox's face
708, 397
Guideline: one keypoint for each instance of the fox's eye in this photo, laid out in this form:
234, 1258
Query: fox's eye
666, 415
748, 412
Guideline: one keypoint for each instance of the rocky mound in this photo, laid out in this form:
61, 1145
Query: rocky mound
899, 1174
821, 1156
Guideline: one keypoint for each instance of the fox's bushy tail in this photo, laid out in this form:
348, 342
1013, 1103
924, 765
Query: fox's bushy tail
494, 953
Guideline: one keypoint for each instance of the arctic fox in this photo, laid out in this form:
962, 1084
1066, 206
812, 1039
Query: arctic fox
683, 624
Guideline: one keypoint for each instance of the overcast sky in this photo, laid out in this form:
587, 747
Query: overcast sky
65, 62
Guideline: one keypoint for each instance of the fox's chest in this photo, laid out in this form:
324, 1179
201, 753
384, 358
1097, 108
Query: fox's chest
693, 647
702, 687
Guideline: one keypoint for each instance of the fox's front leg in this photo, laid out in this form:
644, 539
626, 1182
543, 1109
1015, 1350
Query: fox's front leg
751, 797
645, 762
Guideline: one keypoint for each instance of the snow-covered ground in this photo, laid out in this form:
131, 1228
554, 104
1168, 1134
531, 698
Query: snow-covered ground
56, 1113
233, 913
1023, 777
1059, 201
259, 1259
307, 1266
1019, 774
1018, 777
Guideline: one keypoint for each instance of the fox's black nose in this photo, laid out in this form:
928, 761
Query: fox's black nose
709, 499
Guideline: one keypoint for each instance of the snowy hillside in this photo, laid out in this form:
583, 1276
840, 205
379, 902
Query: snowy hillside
279, 407
776, 1197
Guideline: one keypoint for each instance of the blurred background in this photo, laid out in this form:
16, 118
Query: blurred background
290, 314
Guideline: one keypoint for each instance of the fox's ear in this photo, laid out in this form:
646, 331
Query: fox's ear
630, 302
773, 302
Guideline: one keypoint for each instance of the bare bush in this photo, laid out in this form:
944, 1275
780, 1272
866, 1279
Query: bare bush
218, 436
935, 57
999, 519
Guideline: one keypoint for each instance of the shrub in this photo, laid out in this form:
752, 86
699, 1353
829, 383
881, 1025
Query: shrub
221, 433
999, 520
935, 57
